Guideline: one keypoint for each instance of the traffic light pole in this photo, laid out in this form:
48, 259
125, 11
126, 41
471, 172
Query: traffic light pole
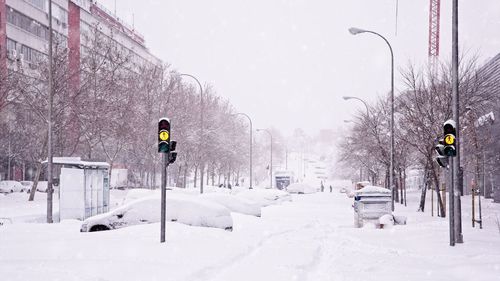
451, 194
455, 106
164, 165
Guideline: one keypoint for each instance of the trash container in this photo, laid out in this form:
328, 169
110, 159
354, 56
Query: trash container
371, 203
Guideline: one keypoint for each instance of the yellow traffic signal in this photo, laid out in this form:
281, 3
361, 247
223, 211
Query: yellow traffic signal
164, 135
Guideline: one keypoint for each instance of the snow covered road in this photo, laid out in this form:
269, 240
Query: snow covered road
311, 238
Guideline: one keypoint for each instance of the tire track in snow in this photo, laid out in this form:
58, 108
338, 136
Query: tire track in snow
211, 272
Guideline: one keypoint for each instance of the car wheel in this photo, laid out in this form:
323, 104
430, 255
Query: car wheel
98, 227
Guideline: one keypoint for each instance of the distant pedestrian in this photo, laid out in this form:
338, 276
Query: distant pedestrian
322, 187
229, 186
331, 188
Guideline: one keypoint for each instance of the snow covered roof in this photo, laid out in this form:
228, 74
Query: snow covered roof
76, 161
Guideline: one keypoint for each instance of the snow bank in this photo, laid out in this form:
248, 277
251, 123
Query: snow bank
386, 221
301, 188
234, 203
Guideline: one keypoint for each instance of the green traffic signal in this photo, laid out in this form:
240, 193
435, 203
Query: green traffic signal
163, 147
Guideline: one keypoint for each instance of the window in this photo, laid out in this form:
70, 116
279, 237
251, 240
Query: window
40, 4
26, 23
59, 14
11, 45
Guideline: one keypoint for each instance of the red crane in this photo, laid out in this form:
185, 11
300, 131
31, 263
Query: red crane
434, 15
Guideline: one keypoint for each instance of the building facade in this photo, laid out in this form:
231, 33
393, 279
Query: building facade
488, 131
24, 31
24, 38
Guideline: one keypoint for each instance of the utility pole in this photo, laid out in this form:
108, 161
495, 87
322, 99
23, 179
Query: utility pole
455, 106
50, 190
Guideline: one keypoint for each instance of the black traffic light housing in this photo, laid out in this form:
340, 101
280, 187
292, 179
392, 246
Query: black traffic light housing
450, 138
441, 158
172, 156
164, 135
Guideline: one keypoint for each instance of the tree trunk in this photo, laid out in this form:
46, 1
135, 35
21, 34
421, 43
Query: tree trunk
153, 185
436, 184
404, 183
396, 188
208, 176
195, 175
38, 168
421, 206
178, 176
184, 181
213, 175
401, 182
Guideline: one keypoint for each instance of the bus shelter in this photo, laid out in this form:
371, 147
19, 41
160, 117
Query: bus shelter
83, 188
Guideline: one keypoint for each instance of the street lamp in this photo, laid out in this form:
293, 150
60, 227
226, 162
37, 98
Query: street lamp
201, 126
251, 154
50, 189
356, 98
271, 166
355, 31
351, 121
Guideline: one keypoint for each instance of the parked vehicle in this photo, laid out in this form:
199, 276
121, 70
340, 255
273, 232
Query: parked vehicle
27, 184
300, 188
181, 208
12, 186
234, 203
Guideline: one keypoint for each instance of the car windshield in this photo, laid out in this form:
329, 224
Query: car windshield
262, 140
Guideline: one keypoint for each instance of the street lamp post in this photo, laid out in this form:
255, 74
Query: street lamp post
201, 127
356, 98
350, 121
251, 138
271, 166
355, 31
50, 189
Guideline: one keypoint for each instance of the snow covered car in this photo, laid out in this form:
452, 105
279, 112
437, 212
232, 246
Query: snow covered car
300, 188
27, 184
265, 197
182, 209
370, 204
11, 186
234, 203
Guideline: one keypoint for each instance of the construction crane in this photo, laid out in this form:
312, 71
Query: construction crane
434, 16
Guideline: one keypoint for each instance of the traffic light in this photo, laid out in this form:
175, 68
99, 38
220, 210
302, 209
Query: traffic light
450, 139
441, 158
172, 156
164, 135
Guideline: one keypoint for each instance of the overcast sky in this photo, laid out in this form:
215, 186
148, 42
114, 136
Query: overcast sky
288, 63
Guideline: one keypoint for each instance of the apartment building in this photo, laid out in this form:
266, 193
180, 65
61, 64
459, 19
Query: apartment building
24, 30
